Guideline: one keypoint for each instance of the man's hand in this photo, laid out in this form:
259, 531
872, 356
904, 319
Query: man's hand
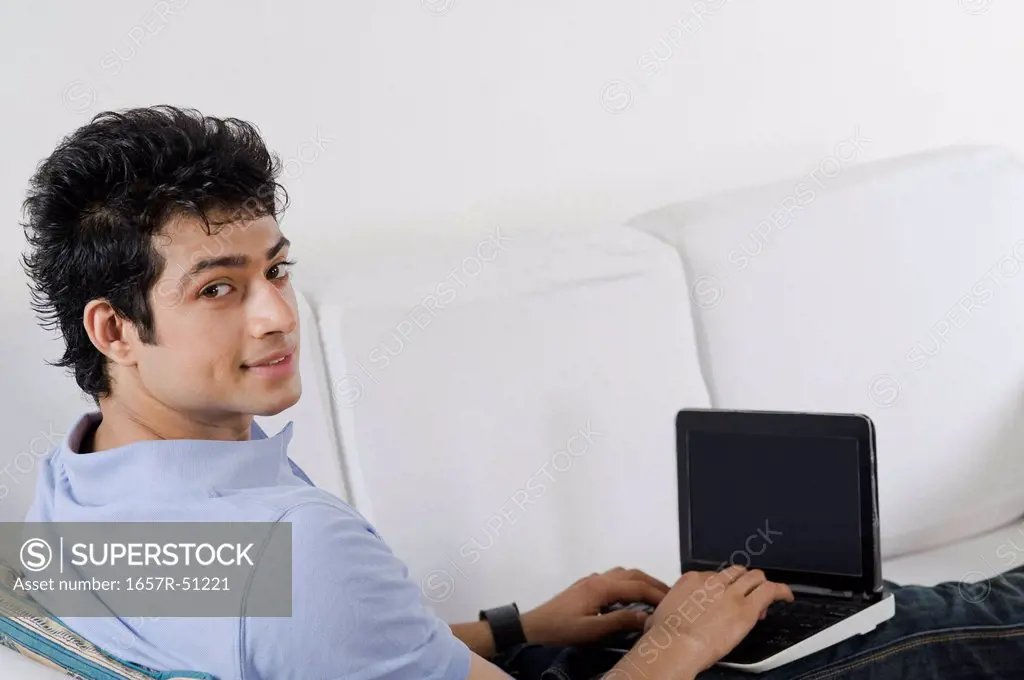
573, 616
703, 617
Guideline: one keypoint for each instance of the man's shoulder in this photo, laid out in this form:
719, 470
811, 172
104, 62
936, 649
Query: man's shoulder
322, 516
307, 505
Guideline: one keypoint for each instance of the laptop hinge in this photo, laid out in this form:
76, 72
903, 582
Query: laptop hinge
816, 590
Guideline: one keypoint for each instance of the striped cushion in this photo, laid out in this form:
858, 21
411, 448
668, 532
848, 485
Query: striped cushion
30, 630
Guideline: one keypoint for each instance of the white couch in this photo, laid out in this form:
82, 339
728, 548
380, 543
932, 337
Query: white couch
502, 407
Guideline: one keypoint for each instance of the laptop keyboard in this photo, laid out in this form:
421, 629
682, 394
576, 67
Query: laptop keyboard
788, 623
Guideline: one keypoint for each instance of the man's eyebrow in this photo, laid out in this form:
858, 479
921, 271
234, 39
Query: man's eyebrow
234, 261
283, 243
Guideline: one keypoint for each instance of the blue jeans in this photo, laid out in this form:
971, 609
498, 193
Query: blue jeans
952, 631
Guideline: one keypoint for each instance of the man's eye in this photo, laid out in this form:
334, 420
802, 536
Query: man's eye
215, 291
280, 270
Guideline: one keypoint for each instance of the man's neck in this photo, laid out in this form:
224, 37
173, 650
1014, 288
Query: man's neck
123, 425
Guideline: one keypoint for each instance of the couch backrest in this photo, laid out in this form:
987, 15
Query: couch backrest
892, 289
511, 409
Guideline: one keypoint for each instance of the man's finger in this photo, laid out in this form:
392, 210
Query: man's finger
734, 571
597, 627
750, 580
729, 575
767, 593
637, 575
631, 591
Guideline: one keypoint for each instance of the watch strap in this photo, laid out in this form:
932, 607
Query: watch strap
506, 626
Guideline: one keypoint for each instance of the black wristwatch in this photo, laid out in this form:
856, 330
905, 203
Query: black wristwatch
506, 627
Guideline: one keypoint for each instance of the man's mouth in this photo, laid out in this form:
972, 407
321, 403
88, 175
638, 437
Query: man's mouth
272, 365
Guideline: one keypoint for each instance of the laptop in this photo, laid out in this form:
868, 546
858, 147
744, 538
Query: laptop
796, 495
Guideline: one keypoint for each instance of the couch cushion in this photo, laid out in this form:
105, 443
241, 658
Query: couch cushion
510, 410
968, 561
890, 289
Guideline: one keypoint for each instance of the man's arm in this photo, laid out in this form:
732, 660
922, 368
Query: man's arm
355, 613
477, 636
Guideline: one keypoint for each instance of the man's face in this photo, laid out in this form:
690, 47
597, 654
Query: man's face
227, 324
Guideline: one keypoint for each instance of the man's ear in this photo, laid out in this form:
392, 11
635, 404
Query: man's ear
114, 336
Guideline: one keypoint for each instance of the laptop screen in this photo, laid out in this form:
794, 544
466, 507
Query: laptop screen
775, 501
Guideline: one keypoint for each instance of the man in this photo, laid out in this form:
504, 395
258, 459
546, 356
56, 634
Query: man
154, 248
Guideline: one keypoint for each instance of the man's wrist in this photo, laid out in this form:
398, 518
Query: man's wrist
506, 626
681, 659
532, 627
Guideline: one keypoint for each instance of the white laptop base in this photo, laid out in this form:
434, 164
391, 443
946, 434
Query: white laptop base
862, 622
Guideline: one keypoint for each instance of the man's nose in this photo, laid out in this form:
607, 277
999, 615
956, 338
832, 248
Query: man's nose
272, 311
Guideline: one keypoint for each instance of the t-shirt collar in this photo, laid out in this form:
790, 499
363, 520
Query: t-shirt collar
180, 467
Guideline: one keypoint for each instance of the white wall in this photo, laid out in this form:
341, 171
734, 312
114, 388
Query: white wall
456, 115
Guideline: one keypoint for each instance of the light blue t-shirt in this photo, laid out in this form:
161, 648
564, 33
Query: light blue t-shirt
355, 613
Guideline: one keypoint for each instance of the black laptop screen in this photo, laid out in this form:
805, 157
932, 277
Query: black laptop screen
775, 502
